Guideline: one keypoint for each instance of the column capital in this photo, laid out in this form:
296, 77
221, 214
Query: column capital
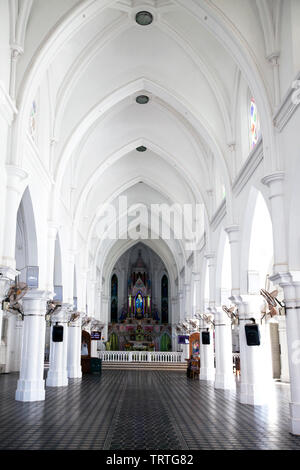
273, 177
249, 306
233, 232
34, 302
63, 314
38, 294
15, 176
283, 278
232, 229
273, 58
52, 229
6, 272
221, 318
76, 321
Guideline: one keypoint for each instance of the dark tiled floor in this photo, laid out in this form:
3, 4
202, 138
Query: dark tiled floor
142, 410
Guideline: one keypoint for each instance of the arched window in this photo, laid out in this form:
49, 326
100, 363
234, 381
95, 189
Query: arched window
114, 299
164, 299
254, 124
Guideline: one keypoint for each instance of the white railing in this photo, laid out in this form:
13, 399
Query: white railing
140, 356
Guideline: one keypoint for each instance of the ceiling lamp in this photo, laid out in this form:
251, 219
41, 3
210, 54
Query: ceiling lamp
142, 99
141, 148
144, 18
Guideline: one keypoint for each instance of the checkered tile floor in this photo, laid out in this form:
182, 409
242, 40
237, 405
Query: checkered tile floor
151, 410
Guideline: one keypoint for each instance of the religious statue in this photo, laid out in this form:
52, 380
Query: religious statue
139, 306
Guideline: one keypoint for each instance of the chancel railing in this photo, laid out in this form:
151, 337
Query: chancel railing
141, 356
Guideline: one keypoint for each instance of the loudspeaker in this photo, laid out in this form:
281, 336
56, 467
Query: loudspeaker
252, 335
57, 333
205, 337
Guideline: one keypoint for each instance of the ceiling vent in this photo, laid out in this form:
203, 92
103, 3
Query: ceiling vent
142, 99
144, 18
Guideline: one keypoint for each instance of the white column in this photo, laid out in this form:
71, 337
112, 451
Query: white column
7, 113
186, 351
74, 350
58, 372
31, 385
284, 358
233, 235
290, 282
275, 183
187, 301
256, 378
52, 233
181, 305
207, 363
223, 346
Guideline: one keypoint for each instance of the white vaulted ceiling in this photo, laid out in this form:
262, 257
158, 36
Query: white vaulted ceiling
97, 59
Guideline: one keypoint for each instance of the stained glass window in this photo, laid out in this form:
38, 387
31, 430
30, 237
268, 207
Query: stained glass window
114, 299
164, 299
254, 124
33, 120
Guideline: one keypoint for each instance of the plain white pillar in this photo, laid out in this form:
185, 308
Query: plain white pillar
256, 378
31, 384
290, 282
74, 350
58, 373
207, 362
284, 358
223, 346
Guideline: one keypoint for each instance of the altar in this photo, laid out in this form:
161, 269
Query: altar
139, 326
139, 335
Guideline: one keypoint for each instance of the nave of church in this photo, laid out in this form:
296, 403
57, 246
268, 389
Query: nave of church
149, 224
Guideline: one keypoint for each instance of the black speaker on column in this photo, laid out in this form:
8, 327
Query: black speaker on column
252, 335
57, 333
205, 337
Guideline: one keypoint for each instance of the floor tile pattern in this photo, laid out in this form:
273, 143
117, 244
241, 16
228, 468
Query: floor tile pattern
136, 409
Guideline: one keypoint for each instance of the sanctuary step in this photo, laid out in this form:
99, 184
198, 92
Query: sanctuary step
144, 366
